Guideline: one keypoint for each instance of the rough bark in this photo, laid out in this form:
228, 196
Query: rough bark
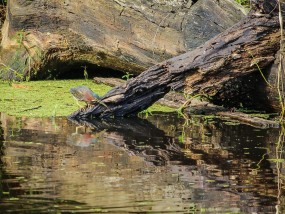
198, 107
209, 69
47, 38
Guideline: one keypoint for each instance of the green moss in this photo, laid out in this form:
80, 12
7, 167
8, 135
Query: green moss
160, 108
48, 98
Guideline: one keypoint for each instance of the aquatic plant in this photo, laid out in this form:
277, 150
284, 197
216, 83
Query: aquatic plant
281, 70
127, 76
85, 72
48, 98
245, 3
259, 69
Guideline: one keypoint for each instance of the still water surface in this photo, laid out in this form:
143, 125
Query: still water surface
162, 164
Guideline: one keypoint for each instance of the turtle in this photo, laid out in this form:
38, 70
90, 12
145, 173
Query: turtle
83, 93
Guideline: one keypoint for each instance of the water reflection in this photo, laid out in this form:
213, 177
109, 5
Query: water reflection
159, 164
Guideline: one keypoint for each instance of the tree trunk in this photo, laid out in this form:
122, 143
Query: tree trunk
51, 38
214, 69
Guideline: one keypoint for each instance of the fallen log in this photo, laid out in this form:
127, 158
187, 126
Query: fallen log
221, 63
250, 120
171, 99
51, 39
196, 106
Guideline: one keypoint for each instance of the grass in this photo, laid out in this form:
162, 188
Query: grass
48, 98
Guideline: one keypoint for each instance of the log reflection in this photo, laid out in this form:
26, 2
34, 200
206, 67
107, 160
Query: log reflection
198, 162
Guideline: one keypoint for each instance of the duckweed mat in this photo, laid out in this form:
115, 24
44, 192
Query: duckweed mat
48, 98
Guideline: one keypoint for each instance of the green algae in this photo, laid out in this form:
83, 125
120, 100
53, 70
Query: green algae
158, 108
264, 116
47, 98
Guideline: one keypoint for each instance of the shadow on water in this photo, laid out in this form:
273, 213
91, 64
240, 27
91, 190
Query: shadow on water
158, 165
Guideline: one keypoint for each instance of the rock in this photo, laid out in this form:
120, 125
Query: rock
45, 39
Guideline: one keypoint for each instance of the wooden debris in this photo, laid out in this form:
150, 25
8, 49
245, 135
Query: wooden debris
250, 120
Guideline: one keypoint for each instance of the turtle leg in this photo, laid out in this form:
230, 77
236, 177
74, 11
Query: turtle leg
77, 102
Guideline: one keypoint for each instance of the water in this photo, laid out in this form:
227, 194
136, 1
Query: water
162, 164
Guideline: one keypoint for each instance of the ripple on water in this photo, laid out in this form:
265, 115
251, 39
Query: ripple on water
157, 165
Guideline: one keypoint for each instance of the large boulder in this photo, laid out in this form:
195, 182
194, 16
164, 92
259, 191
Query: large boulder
48, 38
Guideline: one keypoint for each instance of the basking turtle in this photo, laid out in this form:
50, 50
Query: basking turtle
83, 93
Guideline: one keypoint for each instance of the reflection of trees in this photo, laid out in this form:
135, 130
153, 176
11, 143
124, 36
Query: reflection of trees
237, 157
102, 152
279, 158
230, 150
227, 154
139, 137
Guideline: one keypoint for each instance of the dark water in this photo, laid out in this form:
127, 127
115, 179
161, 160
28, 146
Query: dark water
162, 164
